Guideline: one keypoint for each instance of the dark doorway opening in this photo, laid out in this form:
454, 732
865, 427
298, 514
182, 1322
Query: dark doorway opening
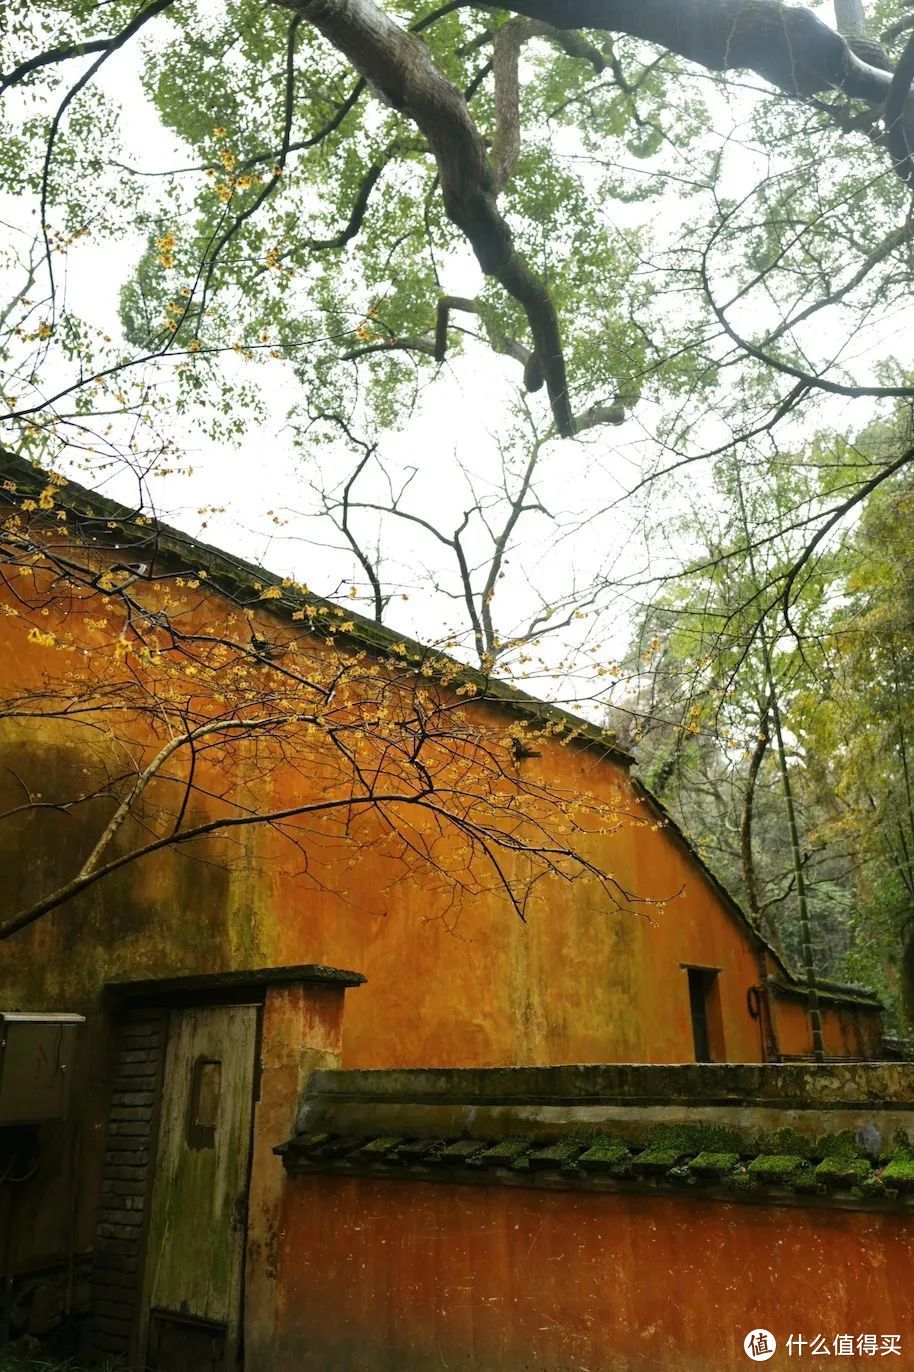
704, 1004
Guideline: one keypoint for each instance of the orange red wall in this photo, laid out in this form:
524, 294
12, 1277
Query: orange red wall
378, 1276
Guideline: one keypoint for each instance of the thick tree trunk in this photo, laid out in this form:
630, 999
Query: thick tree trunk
787, 45
906, 979
747, 852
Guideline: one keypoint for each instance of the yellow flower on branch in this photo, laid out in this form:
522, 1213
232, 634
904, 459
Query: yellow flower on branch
165, 254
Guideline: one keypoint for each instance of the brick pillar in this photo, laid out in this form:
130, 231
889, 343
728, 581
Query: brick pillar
117, 1265
302, 1026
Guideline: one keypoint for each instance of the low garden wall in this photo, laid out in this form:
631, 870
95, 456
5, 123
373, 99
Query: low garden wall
599, 1218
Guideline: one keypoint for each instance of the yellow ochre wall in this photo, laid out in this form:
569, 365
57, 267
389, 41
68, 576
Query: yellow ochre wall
450, 982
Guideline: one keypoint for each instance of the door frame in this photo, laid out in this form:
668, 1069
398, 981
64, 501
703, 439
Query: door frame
162, 1000
156, 998
143, 1321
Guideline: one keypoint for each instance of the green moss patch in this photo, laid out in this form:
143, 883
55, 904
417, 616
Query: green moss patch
772, 1168
560, 1154
507, 1151
461, 1152
806, 1183
671, 1154
839, 1145
419, 1150
843, 1172
871, 1188
654, 1162
741, 1184
696, 1138
609, 1156
902, 1149
713, 1165
899, 1173
785, 1143
377, 1148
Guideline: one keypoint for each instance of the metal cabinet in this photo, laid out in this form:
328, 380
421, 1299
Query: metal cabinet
36, 1056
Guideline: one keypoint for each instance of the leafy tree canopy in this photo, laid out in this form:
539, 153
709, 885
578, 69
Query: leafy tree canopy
336, 160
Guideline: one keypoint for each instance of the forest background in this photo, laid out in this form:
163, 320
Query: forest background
573, 340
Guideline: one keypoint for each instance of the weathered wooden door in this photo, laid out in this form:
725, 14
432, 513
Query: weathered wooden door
191, 1312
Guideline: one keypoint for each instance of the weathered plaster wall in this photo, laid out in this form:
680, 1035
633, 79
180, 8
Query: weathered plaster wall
301, 1032
379, 1276
450, 982
585, 1217
845, 1033
579, 981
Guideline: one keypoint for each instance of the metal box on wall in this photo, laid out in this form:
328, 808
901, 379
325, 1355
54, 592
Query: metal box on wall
36, 1056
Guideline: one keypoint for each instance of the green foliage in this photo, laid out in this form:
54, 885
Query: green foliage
695, 1138
842, 667
842, 1144
860, 736
607, 1154
787, 1143
290, 219
844, 1172
327, 253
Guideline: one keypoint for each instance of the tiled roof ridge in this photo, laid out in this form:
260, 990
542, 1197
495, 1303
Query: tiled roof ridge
715, 1160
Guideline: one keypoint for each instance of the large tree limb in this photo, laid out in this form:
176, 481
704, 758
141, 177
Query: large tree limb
500, 343
787, 45
506, 71
899, 123
507, 44
398, 66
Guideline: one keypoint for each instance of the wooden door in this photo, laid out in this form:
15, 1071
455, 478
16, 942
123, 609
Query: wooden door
191, 1312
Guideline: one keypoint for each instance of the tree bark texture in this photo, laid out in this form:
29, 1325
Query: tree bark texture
787, 45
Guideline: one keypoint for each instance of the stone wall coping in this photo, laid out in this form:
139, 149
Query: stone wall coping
824, 1134
776, 1085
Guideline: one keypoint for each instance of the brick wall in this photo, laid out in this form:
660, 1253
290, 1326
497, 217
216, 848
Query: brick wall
126, 1180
